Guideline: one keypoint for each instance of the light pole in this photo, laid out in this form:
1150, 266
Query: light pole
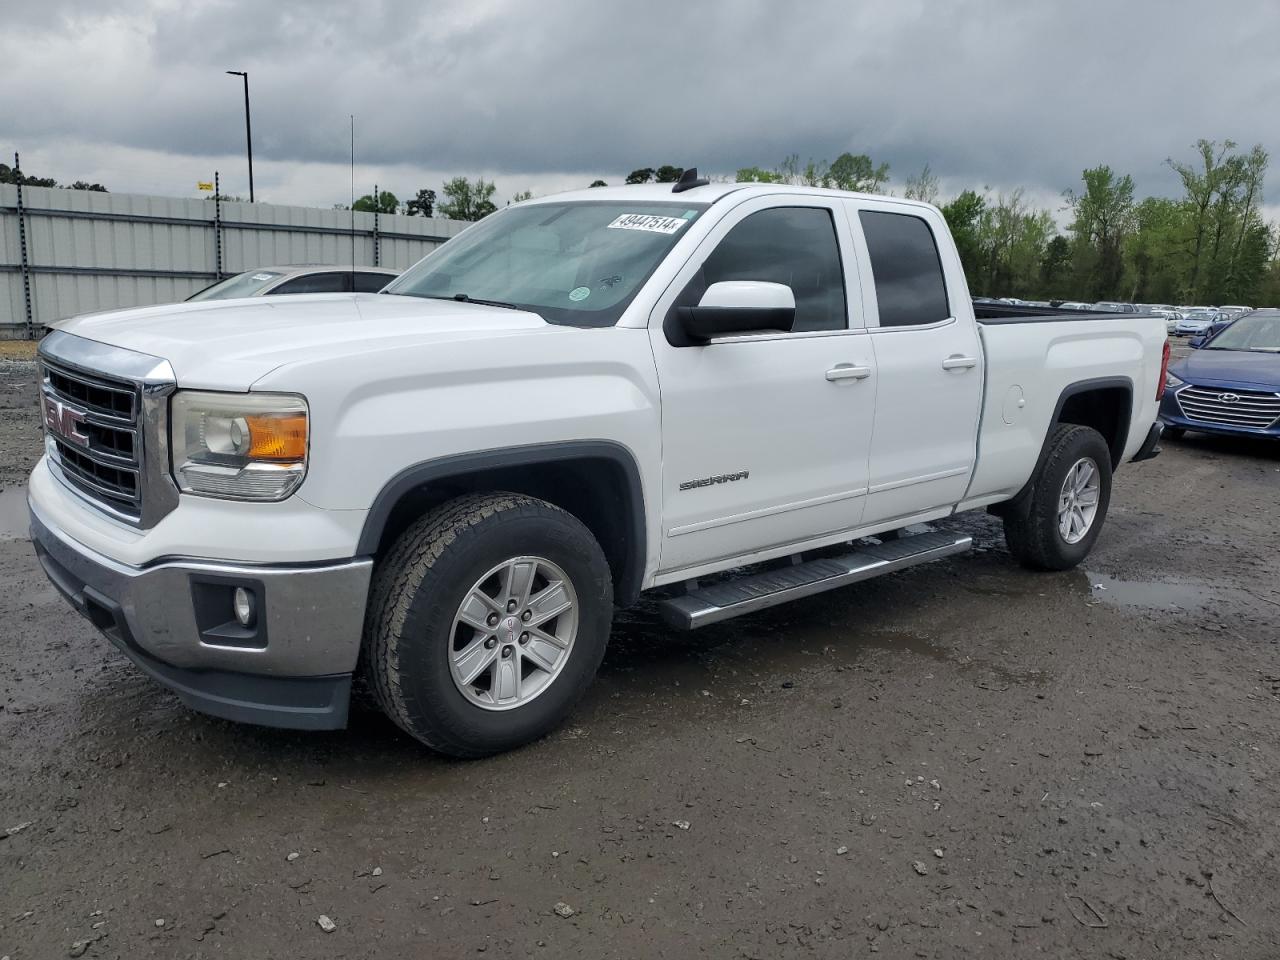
248, 130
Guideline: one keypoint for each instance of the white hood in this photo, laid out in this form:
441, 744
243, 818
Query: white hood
229, 344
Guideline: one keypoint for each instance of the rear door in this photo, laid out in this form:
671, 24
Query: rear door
765, 435
928, 365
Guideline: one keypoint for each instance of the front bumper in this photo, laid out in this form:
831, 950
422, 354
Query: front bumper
1171, 415
291, 669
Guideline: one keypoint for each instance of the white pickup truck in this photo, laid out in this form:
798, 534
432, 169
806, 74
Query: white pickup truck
443, 490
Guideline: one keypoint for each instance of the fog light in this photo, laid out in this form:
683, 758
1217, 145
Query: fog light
242, 603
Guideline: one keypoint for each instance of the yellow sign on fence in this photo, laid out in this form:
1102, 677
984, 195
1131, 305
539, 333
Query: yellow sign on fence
203, 185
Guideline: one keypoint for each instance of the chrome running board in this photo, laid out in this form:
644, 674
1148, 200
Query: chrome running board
732, 598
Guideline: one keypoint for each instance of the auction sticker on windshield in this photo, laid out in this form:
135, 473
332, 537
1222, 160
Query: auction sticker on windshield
648, 223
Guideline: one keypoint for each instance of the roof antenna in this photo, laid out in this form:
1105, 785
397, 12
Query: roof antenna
688, 180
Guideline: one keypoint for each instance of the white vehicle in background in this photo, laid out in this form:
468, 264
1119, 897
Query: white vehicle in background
1075, 305
278, 281
448, 487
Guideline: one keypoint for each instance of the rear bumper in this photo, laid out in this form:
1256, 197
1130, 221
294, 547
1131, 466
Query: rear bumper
291, 668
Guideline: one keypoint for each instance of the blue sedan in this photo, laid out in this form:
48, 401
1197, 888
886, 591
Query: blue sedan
1230, 384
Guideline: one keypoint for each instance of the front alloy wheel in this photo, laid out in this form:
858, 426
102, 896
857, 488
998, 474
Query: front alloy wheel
513, 633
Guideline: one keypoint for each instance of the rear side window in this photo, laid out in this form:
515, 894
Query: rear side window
371, 282
315, 283
796, 246
910, 286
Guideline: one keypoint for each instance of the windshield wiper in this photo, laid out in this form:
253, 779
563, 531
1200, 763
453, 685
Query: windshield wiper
464, 298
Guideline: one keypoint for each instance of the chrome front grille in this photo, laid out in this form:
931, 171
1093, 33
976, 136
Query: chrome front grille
1231, 408
106, 425
91, 426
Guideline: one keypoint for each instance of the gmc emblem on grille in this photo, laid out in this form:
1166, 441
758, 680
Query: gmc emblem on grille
64, 421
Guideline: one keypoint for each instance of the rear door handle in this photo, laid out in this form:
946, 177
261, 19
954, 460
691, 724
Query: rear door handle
957, 362
847, 371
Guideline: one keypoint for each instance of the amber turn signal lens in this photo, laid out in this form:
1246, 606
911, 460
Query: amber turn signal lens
277, 436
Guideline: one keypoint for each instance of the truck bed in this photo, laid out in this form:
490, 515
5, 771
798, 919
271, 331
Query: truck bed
988, 313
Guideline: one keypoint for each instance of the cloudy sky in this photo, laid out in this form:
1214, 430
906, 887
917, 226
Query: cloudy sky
550, 94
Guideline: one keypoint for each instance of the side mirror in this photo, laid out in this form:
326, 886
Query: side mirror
1195, 343
739, 306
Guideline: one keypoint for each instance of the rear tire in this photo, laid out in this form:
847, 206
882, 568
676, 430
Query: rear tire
1069, 499
537, 586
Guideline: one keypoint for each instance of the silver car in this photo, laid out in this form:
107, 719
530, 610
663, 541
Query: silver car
273, 281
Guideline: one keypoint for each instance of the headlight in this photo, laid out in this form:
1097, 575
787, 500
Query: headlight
1171, 382
240, 446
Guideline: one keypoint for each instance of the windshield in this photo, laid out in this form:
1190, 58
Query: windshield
1255, 333
1200, 314
577, 263
241, 285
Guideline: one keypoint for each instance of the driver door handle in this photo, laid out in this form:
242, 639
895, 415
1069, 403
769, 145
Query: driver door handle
957, 362
847, 371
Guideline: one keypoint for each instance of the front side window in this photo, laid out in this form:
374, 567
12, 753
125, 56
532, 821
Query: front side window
315, 283
910, 286
578, 263
794, 246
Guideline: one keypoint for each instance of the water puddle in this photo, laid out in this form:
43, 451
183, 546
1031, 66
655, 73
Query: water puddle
1172, 595
13, 514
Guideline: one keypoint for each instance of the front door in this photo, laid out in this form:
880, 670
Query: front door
765, 436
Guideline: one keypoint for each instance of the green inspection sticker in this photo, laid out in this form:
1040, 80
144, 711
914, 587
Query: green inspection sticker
579, 293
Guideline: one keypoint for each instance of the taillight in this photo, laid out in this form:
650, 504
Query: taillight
1164, 370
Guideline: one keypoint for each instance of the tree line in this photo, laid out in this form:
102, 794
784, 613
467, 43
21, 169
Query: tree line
13, 175
1210, 245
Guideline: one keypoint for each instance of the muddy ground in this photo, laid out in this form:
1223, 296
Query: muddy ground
963, 760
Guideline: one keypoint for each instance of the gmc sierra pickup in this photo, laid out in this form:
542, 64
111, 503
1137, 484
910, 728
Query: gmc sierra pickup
441, 491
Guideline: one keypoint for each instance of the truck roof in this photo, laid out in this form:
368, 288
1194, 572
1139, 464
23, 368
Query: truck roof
710, 193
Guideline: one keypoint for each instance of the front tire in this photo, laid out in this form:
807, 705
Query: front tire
487, 621
1069, 500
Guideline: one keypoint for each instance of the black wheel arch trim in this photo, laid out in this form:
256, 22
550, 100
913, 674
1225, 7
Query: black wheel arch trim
629, 578
1019, 505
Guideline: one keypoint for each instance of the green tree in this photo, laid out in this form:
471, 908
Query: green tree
465, 200
1103, 219
643, 175
598, 183
758, 175
521, 196
923, 186
1054, 268
667, 174
385, 202
10, 174
422, 205
857, 173
964, 217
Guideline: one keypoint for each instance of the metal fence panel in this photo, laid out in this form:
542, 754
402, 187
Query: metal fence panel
99, 251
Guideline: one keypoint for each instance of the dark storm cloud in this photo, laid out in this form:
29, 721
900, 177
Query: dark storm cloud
988, 91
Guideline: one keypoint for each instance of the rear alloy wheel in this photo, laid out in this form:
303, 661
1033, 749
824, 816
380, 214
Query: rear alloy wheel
1070, 494
487, 621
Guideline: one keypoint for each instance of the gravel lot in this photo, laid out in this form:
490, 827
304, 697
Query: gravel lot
963, 760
